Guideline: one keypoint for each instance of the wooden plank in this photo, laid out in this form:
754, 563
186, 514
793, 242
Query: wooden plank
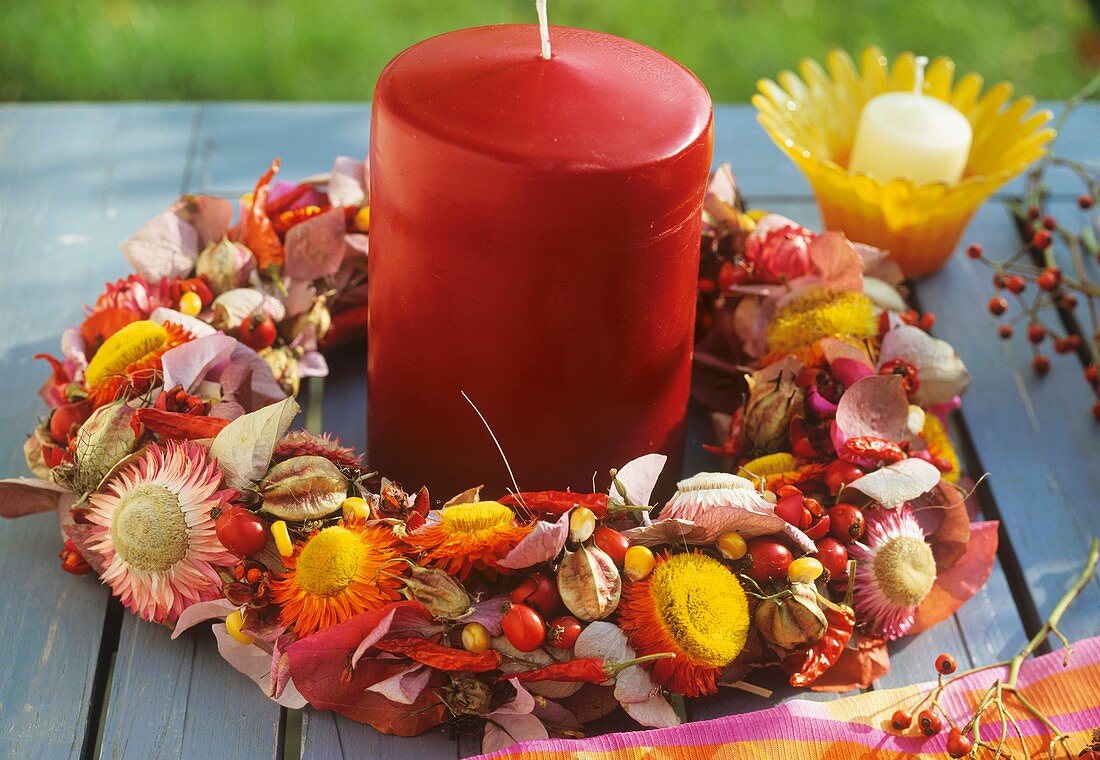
71, 177
167, 696
239, 140
153, 151
1034, 435
327, 735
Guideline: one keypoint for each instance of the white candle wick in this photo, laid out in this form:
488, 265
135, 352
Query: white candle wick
544, 29
918, 83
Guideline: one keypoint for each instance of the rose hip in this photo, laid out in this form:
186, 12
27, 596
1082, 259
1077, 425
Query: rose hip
846, 522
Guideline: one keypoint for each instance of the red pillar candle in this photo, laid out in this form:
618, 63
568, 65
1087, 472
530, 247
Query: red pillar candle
534, 243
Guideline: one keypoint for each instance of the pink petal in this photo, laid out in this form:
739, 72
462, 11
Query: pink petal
189, 363
315, 247
837, 261
543, 543
165, 247
404, 687
638, 477
197, 613
345, 184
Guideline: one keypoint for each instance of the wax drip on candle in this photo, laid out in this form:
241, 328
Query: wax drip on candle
918, 84
544, 29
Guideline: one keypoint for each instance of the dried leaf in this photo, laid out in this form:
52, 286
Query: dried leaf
857, 668
315, 248
505, 729
303, 488
29, 496
673, 532
543, 543
319, 667
875, 406
895, 484
243, 448
955, 585
944, 516
165, 247
655, 712
442, 595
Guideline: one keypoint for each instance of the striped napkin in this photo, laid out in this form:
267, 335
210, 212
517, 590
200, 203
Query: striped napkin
859, 726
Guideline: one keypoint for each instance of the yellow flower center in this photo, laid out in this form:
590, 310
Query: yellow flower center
820, 314
471, 518
128, 345
769, 465
329, 561
703, 606
905, 570
149, 530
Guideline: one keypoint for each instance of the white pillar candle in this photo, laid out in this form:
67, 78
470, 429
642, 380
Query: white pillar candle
909, 134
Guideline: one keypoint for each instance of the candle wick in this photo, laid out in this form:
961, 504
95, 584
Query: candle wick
918, 83
544, 29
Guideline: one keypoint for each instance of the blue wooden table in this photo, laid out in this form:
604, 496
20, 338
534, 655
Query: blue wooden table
78, 678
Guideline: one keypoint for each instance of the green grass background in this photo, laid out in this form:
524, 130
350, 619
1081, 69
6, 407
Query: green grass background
306, 50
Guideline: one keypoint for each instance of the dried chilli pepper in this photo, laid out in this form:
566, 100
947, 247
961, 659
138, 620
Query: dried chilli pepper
582, 669
806, 665
876, 449
558, 502
441, 657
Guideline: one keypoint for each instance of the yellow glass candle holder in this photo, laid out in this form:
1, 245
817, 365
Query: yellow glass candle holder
813, 120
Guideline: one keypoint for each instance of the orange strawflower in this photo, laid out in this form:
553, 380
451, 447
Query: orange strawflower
337, 573
694, 606
469, 537
128, 362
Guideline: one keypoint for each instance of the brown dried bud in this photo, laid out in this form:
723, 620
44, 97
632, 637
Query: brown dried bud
793, 619
773, 401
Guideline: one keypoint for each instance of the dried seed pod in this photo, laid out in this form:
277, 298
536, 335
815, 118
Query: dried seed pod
441, 595
589, 583
303, 488
791, 620
225, 265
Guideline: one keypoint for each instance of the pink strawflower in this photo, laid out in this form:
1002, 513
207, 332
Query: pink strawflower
155, 534
133, 294
894, 574
779, 250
